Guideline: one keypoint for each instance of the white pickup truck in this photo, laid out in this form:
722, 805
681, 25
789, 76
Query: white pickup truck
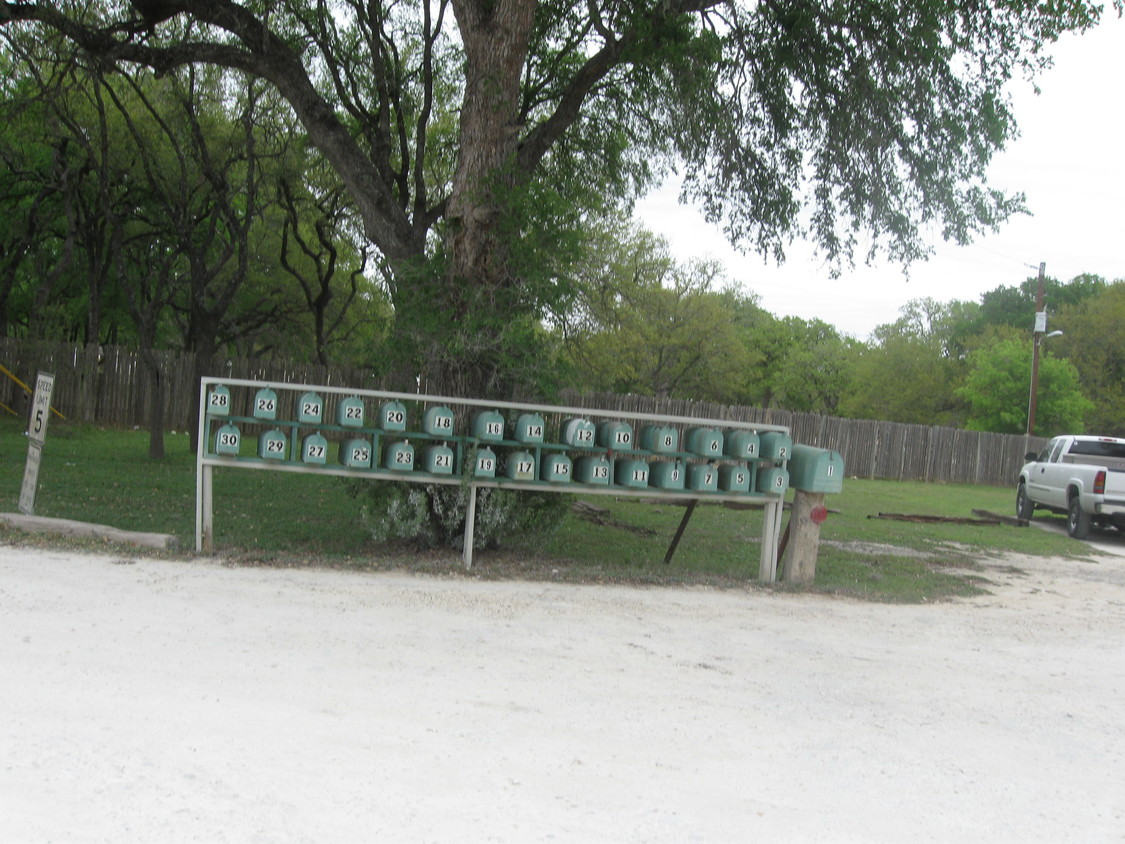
1083, 477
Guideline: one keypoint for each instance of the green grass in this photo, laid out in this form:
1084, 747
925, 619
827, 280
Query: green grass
106, 477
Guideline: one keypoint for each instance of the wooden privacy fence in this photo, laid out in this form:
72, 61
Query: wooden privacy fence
108, 385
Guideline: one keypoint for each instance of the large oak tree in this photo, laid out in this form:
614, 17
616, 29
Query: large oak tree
472, 134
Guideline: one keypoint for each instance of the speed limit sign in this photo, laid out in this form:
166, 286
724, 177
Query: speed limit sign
36, 434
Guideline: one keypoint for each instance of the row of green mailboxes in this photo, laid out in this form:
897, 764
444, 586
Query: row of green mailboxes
527, 429
519, 465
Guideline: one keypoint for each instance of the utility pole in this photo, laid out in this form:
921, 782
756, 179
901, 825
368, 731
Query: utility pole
1036, 335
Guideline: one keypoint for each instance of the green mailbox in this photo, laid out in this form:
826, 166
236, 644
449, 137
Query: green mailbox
774, 480
520, 466
437, 421
735, 477
775, 446
816, 469
438, 460
742, 445
310, 409
660, 439
272, 445
488, 426
356, 454
314, 449
350, 412
667, 474
706, 442
631, 473
578, 433
556, 468
218, 401
615, 435
392, 416
530, 428
485, 464
265, 404
399, 457
594, 470
228, 440
703, 477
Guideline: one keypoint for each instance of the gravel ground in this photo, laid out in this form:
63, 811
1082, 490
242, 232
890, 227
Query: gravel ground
162, 700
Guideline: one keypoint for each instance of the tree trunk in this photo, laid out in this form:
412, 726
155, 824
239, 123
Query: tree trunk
496, 36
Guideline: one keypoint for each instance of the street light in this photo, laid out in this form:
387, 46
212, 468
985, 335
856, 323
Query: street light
1039, 338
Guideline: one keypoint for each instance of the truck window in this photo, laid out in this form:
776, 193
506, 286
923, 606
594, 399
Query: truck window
1047, 449
1056, 449
1098, 449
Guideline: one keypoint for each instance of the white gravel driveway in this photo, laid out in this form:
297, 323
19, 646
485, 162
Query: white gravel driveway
155, 700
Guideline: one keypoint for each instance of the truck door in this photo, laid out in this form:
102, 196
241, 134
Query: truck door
1037, 477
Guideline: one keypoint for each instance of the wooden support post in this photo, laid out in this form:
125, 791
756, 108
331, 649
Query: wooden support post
799, 559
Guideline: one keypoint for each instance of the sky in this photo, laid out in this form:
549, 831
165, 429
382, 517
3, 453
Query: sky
1067, 161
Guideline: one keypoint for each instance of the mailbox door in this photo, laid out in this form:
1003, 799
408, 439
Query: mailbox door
578, 433
392, 416
617, 435
356, 454
486, 463
703, 477
594, 470
742, 445
399, 457
631, 473
439, 460
488, 425
228, 440
438, 422
310, 409
660, 439
816, 469
776, 446
774, 480
706, 442
350, 413
557, 468
265, 404
218, 401
520, 466
530, 428
667, 475
314, 449
272, 445
736, 477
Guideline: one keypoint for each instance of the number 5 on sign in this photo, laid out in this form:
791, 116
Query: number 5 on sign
41, 407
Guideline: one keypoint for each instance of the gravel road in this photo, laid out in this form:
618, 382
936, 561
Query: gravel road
162, 700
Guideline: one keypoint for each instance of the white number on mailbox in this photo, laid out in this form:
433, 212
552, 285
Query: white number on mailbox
228, 439
310, 408
267, 405
275, 446
600, 472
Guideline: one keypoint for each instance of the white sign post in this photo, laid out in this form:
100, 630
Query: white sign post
36, 436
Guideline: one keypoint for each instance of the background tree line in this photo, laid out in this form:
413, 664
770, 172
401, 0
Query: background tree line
199, 205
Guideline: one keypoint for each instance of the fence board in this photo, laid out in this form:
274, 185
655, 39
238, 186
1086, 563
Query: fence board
109, 385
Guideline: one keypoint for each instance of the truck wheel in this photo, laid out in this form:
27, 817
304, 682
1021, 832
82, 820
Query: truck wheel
1077, 520
1025, 507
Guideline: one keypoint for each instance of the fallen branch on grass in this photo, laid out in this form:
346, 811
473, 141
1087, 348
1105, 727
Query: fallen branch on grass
921, 519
